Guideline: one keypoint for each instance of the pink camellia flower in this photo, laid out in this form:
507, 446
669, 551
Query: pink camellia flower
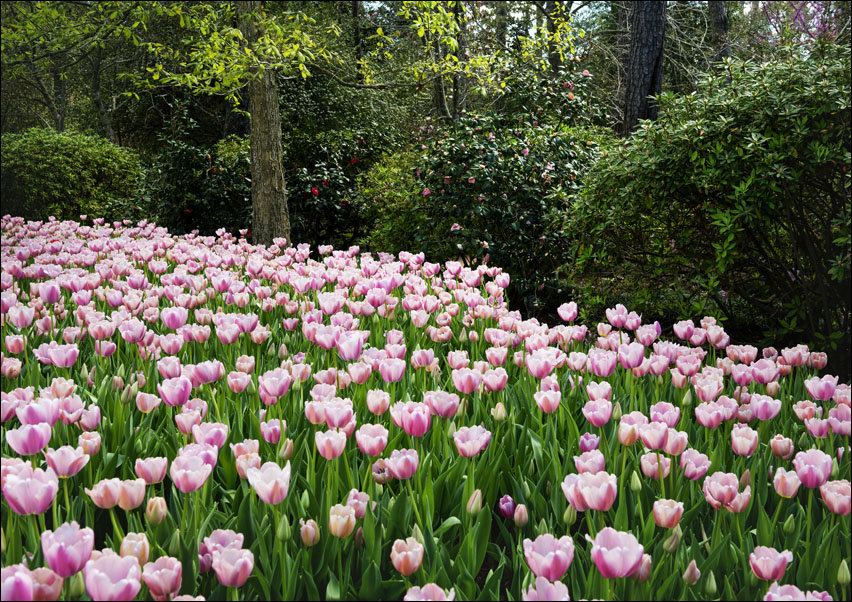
471, 440
402, 463
214, 433
694, 464
372, 439
18, 582
588, 491
615, 553
66, 461
189, 473
233, 566
786, 482
175, 391
47, 585
667, 513
744, 440
548, 401
591, 461
813, 467
430, 591
152, 470
821, 388
391, 369
29, 439
218, 540
112, 577
67, 549
407, 555
768, 563
163, 577
598, 412
549, 557
271, 482
837, 495
466, 380
330, 444
650, 464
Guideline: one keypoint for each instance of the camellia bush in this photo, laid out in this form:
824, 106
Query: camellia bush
194, 416
737, 199
64, 174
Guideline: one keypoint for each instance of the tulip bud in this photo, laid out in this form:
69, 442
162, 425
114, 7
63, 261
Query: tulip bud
156, 510
803, 440
498, 412
710, 585
789, 525
451, 430
617, 412
843, 574
542, 528
270, 349
672, 541
282, 352
286, 451
570, 515
117, 383
90, 373
309, 532
359, 537
283, 533
77, 586
745, 479
692, 574
527, 493
463, 336
644, 571
474, 504
521, 516
835, 469
687, 398
635, 483
417, 534
174, 544
140, 380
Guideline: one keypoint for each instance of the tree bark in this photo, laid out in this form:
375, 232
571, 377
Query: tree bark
622, 52
719, 27
502, 24
359, 49
97, 96
270, 216
458, 77
553, 57
645, 63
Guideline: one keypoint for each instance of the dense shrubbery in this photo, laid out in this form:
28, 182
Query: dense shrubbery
63, 174
738, 197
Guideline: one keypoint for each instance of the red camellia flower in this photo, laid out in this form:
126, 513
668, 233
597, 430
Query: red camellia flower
314, 191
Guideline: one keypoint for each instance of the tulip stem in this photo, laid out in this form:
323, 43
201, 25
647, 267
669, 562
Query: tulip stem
810, 518
67, 504
414, 504
589, 524
774, 521
118, 532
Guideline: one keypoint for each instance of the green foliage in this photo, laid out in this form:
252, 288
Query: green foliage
63, 174
503, 178
736, 199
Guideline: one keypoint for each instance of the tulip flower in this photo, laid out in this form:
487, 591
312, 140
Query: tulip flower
430, 591
111, 577
813, 467
768, 563
548, 556
233, 566
402, 464
67, 549
271, 482
471, 440
163, 577
667, 513
341, 520
615, 554
136, 545
407, 555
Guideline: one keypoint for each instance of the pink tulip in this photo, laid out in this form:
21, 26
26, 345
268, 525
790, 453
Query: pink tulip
791, 592
813, 467
271, 482
495, 380
163, 577
330, 444
602, 362
111, 577
147, 402
666, 413
66, 461
821, 388
189, 473
233, 566
218, 540
667, 513
590, 491
407, 555
44, 409
341, 520
654, 435
238, 381
29, 439
709, 415
90, 442
549, 557
441, 403
372, 439
721, 489
18, 582
270, 430
616, 554
694, 464
744, 440
598, 412
466, 380
47, 585
273, 384
836, 495
589, 441
135, 545
214, 433
650, 464
67, 549
471, 440
591, 461
630, 356
416, 418
358, 500
131, 493
768, 563
402, 464
548, 401
430, 591
391, 369
175, 391
786, 482
152, 470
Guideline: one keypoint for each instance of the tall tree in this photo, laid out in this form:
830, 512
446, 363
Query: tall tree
644, 76
270, 215
719, 26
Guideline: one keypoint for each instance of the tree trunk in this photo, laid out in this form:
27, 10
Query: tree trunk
359, 49
60, 99
622, 52
458, 77
502, 24
553, 56
270, 216
719, 26
645, 63
97, 96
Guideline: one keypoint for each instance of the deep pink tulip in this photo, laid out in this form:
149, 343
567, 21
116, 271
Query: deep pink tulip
615, 553
813, 467
189, 473
471, 440
152, 470
29, 439
402, 463
175, 391
233, 566
112, 577
768, 563
270, 481
163, 577
372, 439
67, 549
66, 461
694, 464
821, 388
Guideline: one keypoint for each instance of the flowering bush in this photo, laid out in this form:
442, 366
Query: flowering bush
176, 409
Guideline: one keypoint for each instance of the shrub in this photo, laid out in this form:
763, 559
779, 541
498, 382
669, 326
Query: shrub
64, 174
737, 198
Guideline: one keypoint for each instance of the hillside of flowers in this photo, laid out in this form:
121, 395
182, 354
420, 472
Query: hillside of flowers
194, 417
